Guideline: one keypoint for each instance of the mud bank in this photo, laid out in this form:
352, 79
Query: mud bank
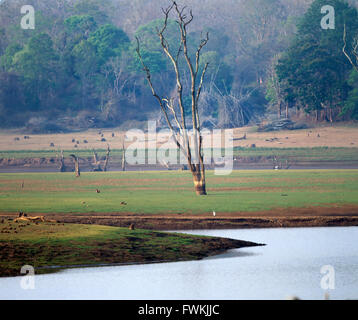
42, 164
278, 218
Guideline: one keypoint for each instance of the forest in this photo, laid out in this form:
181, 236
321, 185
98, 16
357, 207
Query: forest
78, 68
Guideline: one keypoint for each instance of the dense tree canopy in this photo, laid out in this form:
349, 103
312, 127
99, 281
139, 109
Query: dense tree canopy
79, 69
314, 71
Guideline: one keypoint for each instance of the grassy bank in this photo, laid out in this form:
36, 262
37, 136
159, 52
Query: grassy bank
169, 192
53, 244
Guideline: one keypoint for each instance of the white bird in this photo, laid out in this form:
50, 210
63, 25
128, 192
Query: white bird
214, 213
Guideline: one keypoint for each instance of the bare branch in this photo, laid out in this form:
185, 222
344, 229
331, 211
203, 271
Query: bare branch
355, 53
201, 46
170, 105
183, 19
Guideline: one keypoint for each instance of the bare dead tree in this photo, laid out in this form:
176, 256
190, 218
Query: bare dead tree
165, 164
107, 158
96, 164
191, 148
77, 165
353, 60
123, 156
62, 167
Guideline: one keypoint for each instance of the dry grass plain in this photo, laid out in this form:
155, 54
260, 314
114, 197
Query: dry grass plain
328, 136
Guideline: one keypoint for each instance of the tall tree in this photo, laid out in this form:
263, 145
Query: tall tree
37, 64
314, 67
351, 105
178, 124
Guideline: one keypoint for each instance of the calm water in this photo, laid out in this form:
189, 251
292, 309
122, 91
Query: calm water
289, 265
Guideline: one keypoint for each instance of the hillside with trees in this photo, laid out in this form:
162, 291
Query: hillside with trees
79, 69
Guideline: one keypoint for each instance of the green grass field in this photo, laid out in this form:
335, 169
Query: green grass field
53, 244
167, 192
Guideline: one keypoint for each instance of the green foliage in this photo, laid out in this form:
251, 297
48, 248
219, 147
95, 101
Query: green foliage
150, 40
80, 24
313, 71
271, 95
93, 8
7, 60
109, 42
351, 105
151, 49
87, 69
86, 59
36, 63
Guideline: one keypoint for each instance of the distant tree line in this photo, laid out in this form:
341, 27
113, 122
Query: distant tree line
79, 68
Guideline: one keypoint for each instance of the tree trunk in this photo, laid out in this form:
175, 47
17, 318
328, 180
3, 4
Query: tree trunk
279, 109
167, 103
62, 162
107, 158
77, 165
286, 110
199, 183
123, 157
96, 163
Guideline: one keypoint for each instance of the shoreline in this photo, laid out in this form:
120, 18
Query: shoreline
116, 167
174, 224
335, 216
225, 243
50, 247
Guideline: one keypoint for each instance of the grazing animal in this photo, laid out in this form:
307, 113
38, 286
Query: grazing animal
131, 227
98, 191
123, 203
32, 219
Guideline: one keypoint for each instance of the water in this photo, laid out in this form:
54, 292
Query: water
289, 265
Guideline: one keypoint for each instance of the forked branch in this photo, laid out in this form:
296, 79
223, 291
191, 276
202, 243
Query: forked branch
354, 50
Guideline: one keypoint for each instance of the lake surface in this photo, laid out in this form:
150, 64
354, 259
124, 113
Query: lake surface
289, 265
